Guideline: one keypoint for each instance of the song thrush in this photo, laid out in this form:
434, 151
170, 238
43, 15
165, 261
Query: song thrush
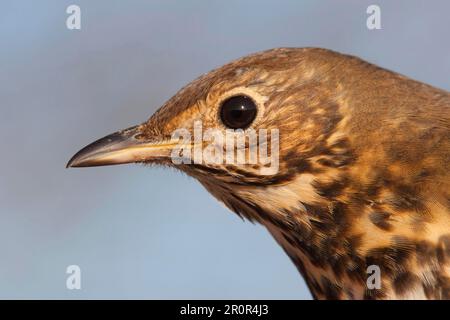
363, 177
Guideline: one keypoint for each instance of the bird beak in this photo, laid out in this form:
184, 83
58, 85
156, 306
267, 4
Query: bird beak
119, 148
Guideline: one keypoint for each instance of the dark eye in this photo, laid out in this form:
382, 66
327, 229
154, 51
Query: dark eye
238, 112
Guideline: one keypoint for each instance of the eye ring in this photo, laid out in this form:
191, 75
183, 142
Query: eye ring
238, 111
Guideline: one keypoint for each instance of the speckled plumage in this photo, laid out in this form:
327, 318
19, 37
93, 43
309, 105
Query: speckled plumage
364, 168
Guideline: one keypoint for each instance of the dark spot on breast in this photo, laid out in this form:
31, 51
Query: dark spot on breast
404, 282
354, 242
331, 290
403, 245
295, 161
426, 252
330, 190
326, 162
443, 249
319, 213
406, 198
392, 258
320, 226
356, 267
381, 220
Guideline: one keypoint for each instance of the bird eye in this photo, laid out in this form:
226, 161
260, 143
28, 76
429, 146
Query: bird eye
238, 112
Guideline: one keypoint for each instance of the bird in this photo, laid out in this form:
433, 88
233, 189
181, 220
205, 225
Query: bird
362, 179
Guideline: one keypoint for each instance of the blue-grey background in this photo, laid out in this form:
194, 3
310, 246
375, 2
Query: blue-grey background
152, 233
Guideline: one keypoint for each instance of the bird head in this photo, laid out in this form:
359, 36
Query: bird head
253, 123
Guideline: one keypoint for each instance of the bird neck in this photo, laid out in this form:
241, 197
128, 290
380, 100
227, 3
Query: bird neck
344, 249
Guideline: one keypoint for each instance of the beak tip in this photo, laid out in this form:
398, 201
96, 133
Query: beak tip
69, 165
79, 159
72, 163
